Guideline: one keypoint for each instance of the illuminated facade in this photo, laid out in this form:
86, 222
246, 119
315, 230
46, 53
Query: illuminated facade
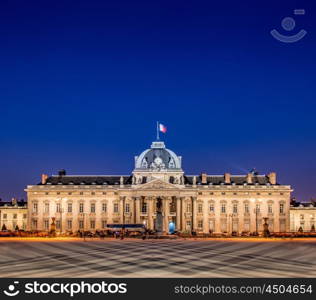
303, 217
160, 195
13, 215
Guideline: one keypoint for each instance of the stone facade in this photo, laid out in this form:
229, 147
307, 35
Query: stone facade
13, 214
159, 194
303, 216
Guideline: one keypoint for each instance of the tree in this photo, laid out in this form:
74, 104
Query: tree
4, 227
17, 228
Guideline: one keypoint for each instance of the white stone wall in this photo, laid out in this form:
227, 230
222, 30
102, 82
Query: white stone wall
12, 216
303, 217
200, 196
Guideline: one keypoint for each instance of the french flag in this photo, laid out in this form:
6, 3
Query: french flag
162, 128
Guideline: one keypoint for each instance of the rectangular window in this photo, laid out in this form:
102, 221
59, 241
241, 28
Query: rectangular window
270, 211
188, 207
127, 208
92, 224
188, 225
80, 224
212, 207
247, 225
144, 207
81, 207
200, 208
57, 224
212, 225
282, 225
58, 207
115, 208
92, 208
223, 226
223, 208
34, 224
5, 216
258, 208
235, 226
15, 216
69, 224
281, 208
69, 208
270, 222
235, 208
200, 224
24, 216
173, 206
246, 208
35, 207
103, 207
104, 224
46, 224
46, 208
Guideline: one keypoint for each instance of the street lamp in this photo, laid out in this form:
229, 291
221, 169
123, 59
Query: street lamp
256, 211
231, 215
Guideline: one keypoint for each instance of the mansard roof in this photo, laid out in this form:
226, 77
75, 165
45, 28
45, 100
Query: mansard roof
20, 203
87, 180
234, 179
303, 204
127, 179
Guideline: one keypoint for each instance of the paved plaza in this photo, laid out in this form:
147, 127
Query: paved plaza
157, 258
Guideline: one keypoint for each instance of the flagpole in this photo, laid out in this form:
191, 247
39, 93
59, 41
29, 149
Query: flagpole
157, 131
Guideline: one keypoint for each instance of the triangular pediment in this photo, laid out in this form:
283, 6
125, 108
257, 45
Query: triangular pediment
157, 184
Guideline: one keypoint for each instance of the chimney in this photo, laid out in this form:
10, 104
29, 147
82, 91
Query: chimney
14, 201
44, 178
62, 172
249, 178
227, 178
272, 178
204, 178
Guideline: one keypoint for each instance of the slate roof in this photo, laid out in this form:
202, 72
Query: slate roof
20, 203
237, 179
87, 180
303, 204
127, 179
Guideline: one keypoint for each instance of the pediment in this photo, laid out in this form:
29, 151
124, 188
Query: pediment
157, 184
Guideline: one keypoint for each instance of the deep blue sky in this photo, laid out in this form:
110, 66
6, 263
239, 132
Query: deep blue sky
82, 84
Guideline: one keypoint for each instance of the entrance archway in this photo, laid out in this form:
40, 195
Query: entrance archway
171, 227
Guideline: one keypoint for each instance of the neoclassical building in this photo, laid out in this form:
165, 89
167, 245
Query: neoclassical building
160, 195
13, 215
303, 216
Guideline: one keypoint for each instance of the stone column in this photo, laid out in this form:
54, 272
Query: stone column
150, 213
166, 213
183, 210
194, 225
137, 209
122, 209
205, 216
178, 225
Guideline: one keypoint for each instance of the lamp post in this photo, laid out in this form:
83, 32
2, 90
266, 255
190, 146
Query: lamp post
256, 211
231, 220
84, 232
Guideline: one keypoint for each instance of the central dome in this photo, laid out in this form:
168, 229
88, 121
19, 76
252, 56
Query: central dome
158, 158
